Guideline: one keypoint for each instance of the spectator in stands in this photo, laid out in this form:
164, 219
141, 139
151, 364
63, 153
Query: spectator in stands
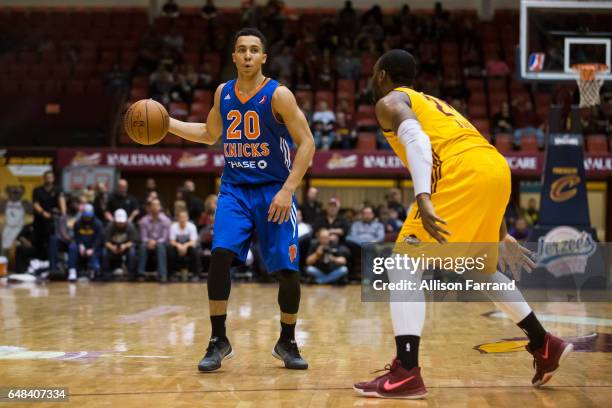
460, 106
63, 236
472, 63
117, 81
372, 30
206, 79
87, 244
348, 66
367, 230
520, 230
394, 223
453, 88
324, 115
161, 84
532, 213
154, 232
306, 107
302, 76
206, 237
502, 121
332, 221
209, 11
182, 248
527, 121
170, 9
47, 200
210, 207
122, 199
25, 250
347, 19
394, 201
344, 132
195, 205
282, 64
180, 202
14, 211
100, 201
120, 242
327, 260
311, 208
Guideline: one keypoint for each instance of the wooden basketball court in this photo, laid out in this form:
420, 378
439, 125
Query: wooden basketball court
137, 345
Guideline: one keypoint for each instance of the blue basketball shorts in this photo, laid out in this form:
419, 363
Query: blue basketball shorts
242, 210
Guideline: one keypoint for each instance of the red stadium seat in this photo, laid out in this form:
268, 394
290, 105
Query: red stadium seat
303, 95
366, 141
482, 125
31, 87
200, 109
83, 71
597, 143
141, 82
95, 87
346, 86
196, 119
204, 96
529, 143
368, 123
477, 111
52, 87
366, 111
179, 110
172, 140
503, 142
9, 87
61, 71
75, 87
326, 96
137, 94
38, 72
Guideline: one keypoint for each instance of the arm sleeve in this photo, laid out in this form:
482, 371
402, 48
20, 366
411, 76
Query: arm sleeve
418, 153
144, 236
194, 233
173, 232
380, 232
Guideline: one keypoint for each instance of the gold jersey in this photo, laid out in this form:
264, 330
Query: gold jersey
449, 132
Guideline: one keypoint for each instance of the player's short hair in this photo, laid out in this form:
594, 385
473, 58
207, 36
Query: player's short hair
251, 31
400, 65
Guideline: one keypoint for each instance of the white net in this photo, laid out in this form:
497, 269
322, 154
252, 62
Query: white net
589, 91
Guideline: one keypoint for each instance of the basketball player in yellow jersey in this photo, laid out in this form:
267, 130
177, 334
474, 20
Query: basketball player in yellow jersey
462, 187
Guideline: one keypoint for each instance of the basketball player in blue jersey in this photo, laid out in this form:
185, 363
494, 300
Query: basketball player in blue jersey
259, 121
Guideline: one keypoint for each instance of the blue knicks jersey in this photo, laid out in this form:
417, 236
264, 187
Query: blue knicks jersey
255, 144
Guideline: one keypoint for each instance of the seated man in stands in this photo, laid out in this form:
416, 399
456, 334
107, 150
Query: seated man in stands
87, 244
154, 232
170, 9
121, 238
182, 249
327, 259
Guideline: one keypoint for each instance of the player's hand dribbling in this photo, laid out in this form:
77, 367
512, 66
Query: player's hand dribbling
280, 208
429, 218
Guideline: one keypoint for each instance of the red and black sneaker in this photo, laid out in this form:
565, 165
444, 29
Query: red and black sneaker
396, 383
547, 358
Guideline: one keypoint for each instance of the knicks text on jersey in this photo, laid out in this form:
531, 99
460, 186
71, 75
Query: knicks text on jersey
255, 144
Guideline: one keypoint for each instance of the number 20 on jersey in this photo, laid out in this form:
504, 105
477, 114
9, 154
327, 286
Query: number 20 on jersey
250, 127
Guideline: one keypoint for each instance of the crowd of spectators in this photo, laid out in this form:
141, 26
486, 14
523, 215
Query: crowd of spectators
97, 235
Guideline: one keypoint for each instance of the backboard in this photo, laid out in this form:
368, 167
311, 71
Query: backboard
556, 34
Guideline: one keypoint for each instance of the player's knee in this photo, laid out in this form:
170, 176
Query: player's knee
289, 291
219, 282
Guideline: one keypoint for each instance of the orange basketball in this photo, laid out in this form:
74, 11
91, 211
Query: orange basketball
146, 122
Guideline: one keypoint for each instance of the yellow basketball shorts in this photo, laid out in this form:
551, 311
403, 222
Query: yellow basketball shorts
470, 192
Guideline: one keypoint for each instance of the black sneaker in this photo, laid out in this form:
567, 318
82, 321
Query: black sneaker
288, 353
218, 350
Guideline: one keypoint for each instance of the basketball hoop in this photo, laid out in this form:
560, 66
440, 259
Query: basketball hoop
589, 82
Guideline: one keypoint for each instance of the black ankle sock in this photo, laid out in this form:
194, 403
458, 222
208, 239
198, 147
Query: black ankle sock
534, 331
287, 331
218, 326
408, 350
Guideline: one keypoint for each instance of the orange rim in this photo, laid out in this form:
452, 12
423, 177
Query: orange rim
587, 71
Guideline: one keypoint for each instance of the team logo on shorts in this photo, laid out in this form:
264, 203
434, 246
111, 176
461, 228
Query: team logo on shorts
292, 252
